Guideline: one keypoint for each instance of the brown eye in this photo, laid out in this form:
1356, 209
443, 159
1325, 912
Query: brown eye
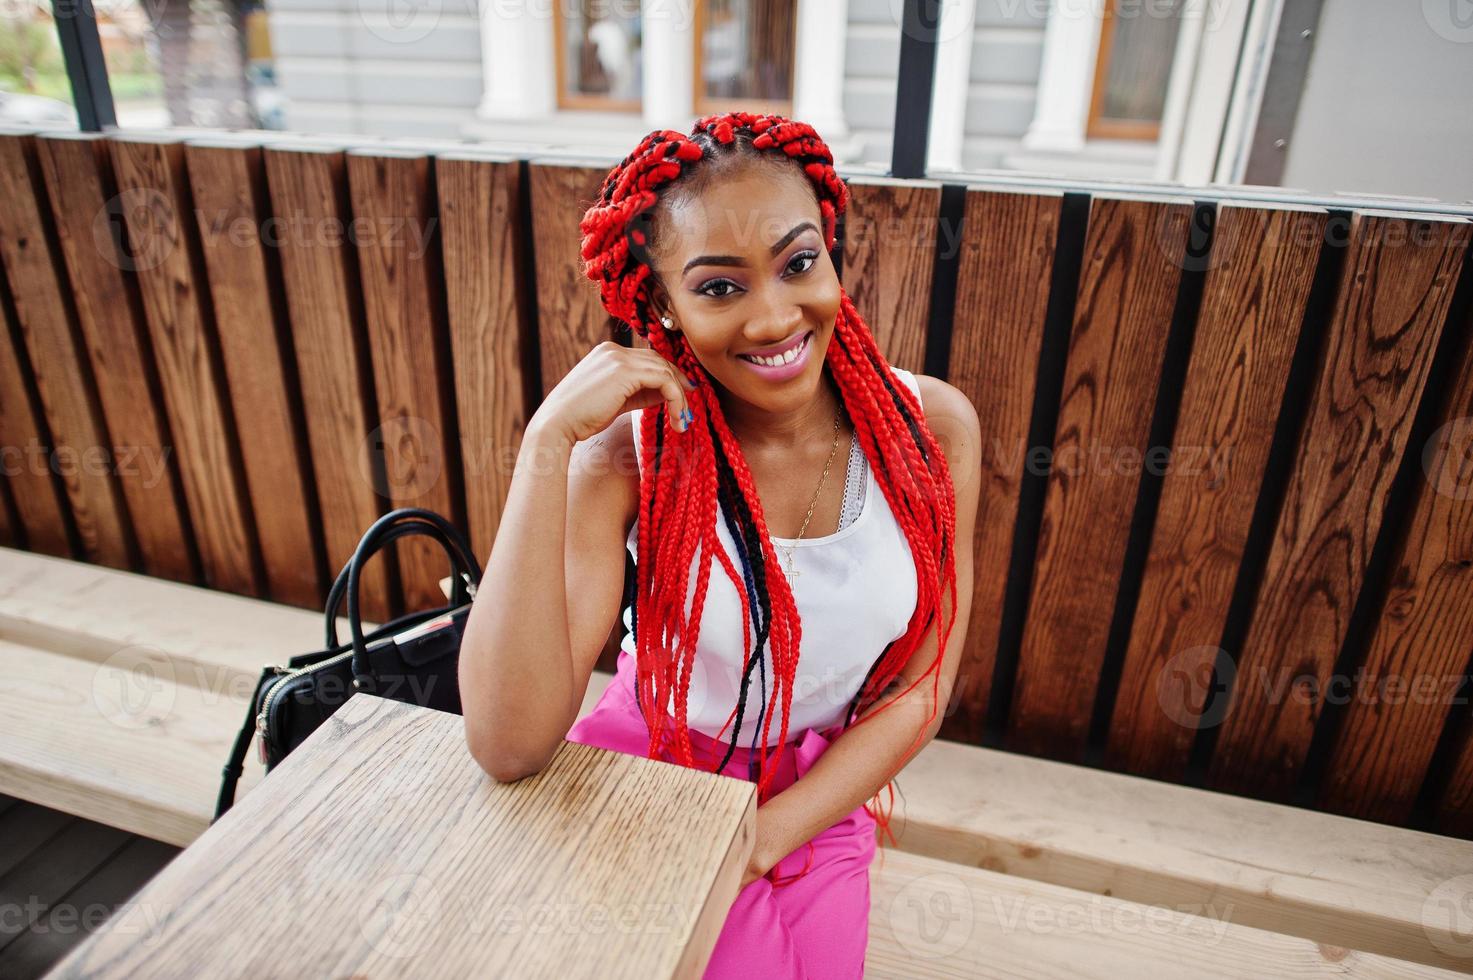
705, 288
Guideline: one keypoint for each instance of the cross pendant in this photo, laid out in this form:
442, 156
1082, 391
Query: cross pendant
792, 574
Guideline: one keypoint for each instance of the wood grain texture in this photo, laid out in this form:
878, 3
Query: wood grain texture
39, 291
571, 320
1006, 265
929, 918
1133, 259
489, 862
1419, 647
229, 188
156, 208
404, 306
90, 229
1326, 878
309, 199
10, 532
131, 741
889, 255
1261, 266
1399, 278
485, 255
40, 506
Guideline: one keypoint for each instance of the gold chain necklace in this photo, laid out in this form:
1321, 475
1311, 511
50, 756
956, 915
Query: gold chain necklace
792, 573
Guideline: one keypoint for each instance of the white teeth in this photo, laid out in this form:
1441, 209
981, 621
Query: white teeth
780, 360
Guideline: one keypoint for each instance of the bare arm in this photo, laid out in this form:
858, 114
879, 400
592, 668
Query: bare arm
527, 654
516, 675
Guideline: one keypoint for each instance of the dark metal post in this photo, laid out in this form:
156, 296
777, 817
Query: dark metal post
76, 26
920, 25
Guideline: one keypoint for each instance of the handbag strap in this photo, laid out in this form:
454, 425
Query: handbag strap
235, 766
462, 580
429, 523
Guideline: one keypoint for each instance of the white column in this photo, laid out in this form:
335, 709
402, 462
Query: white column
1071, 41
818, 78
953, 84
517, 55
668, 96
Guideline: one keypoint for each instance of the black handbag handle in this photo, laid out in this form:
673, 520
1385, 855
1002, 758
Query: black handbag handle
462, 578
450, 538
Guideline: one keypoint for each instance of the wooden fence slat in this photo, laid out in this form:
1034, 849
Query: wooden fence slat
80, 453
154, 190
889, 255
570, 319
24, 448
1261, 267
1006, 265
490, 327
9, 530
228, 184
90, 229
1400, 274
399, 263
1420, 646
309, 200
1133, 257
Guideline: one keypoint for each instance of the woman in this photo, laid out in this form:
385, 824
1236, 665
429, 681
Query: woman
716, 248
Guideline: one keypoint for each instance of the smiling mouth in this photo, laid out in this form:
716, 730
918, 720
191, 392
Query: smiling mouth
786, 357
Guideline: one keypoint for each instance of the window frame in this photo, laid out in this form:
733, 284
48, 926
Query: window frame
710, 104
566, 100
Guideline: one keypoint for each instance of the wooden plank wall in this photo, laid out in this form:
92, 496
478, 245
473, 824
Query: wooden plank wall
1226, 536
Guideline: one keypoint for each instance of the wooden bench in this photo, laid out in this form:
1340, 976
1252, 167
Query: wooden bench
982, 830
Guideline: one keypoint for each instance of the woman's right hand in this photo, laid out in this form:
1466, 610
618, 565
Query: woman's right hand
609, 381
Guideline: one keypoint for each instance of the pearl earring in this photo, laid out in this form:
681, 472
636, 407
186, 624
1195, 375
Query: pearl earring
668, 323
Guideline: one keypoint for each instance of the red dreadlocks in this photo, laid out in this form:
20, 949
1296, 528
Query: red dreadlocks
686, 474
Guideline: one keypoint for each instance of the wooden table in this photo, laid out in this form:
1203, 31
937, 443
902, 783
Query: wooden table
379, 848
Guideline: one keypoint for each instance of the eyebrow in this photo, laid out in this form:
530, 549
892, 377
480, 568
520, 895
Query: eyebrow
777, 246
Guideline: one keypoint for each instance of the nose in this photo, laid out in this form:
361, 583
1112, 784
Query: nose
778, 320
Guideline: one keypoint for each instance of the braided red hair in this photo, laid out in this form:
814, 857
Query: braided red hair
685, 475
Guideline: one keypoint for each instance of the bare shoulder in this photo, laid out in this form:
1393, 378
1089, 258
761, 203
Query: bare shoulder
953, 420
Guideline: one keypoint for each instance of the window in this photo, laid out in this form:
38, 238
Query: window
598, 54
1137, 43
744, 55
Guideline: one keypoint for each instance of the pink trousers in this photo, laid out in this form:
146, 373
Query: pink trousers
816, 926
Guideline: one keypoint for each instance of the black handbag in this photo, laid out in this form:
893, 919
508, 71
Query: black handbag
413, 658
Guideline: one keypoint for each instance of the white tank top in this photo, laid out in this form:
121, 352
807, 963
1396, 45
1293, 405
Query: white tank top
855, 591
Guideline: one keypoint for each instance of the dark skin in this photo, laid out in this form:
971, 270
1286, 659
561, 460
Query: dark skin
719, 279
786, 430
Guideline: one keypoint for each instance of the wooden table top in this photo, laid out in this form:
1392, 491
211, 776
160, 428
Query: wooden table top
379, 848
